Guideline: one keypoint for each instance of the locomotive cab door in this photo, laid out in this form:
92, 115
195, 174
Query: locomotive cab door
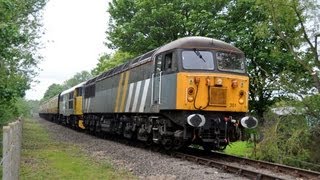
157, 82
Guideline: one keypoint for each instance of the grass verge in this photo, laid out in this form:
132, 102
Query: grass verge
240, 148
44, 158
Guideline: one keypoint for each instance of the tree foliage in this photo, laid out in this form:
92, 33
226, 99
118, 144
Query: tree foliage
290, 21
76, 79
107, 62
311, 110
140, 26
287, 141
19, 31
55, 89
267, 59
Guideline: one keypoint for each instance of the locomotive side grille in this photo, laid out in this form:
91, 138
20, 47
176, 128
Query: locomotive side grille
218, 96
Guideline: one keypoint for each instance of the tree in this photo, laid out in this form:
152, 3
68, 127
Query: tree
311, 110
140, 26
53, 90
286, 140
19, 31
76, 79
268, 59
107, 62
285, 14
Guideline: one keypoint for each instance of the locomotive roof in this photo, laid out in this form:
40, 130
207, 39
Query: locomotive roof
198, 42
185, 42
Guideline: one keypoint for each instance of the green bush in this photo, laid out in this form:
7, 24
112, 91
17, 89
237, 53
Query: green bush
286, 140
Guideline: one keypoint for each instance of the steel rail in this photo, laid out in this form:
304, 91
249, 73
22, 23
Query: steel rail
226, 167
297, 172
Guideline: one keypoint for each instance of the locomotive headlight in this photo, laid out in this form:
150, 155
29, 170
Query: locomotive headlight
241, 93
234, 83
249, 122
196, 120
190, 91
190, 99
218, 81
241, 99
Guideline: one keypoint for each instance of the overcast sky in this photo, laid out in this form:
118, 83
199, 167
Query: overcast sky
73, 41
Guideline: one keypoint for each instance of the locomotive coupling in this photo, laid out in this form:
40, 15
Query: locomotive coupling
196, 120
249, 122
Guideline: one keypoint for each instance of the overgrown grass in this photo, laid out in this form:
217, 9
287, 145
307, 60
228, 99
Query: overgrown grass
240, 148
44, 158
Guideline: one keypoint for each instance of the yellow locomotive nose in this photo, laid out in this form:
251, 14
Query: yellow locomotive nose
212, 92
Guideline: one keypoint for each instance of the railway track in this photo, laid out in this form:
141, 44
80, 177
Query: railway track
252, 169
297, 172
249, 168
234, 164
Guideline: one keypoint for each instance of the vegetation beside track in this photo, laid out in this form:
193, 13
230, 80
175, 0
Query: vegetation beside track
240, 148
45, 158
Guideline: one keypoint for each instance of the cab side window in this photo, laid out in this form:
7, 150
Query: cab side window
168, 62
165, 63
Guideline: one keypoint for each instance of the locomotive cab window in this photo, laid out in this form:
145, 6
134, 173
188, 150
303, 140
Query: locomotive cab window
230, 62
71, 95
168, 62
70, 104
79, 91
195, 59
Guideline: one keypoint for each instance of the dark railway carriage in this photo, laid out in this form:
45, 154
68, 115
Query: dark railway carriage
191, 91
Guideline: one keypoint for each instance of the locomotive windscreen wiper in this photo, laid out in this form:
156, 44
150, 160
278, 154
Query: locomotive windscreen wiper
199, 54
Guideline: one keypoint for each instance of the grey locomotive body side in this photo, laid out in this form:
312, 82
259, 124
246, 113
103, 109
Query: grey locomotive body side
132, 91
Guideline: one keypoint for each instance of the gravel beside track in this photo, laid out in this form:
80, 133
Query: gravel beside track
143, 163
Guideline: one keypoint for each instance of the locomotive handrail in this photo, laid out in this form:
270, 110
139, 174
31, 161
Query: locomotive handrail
152, 81
160, 83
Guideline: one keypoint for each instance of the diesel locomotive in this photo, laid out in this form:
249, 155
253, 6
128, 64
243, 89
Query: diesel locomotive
193, 90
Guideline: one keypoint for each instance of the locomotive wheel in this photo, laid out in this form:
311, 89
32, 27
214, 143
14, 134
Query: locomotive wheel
149, 142
207, 147
167, 144
223, 147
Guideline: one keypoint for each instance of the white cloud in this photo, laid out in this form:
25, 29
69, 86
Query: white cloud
73, 40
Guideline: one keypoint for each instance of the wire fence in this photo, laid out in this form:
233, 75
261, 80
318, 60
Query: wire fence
11, 153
